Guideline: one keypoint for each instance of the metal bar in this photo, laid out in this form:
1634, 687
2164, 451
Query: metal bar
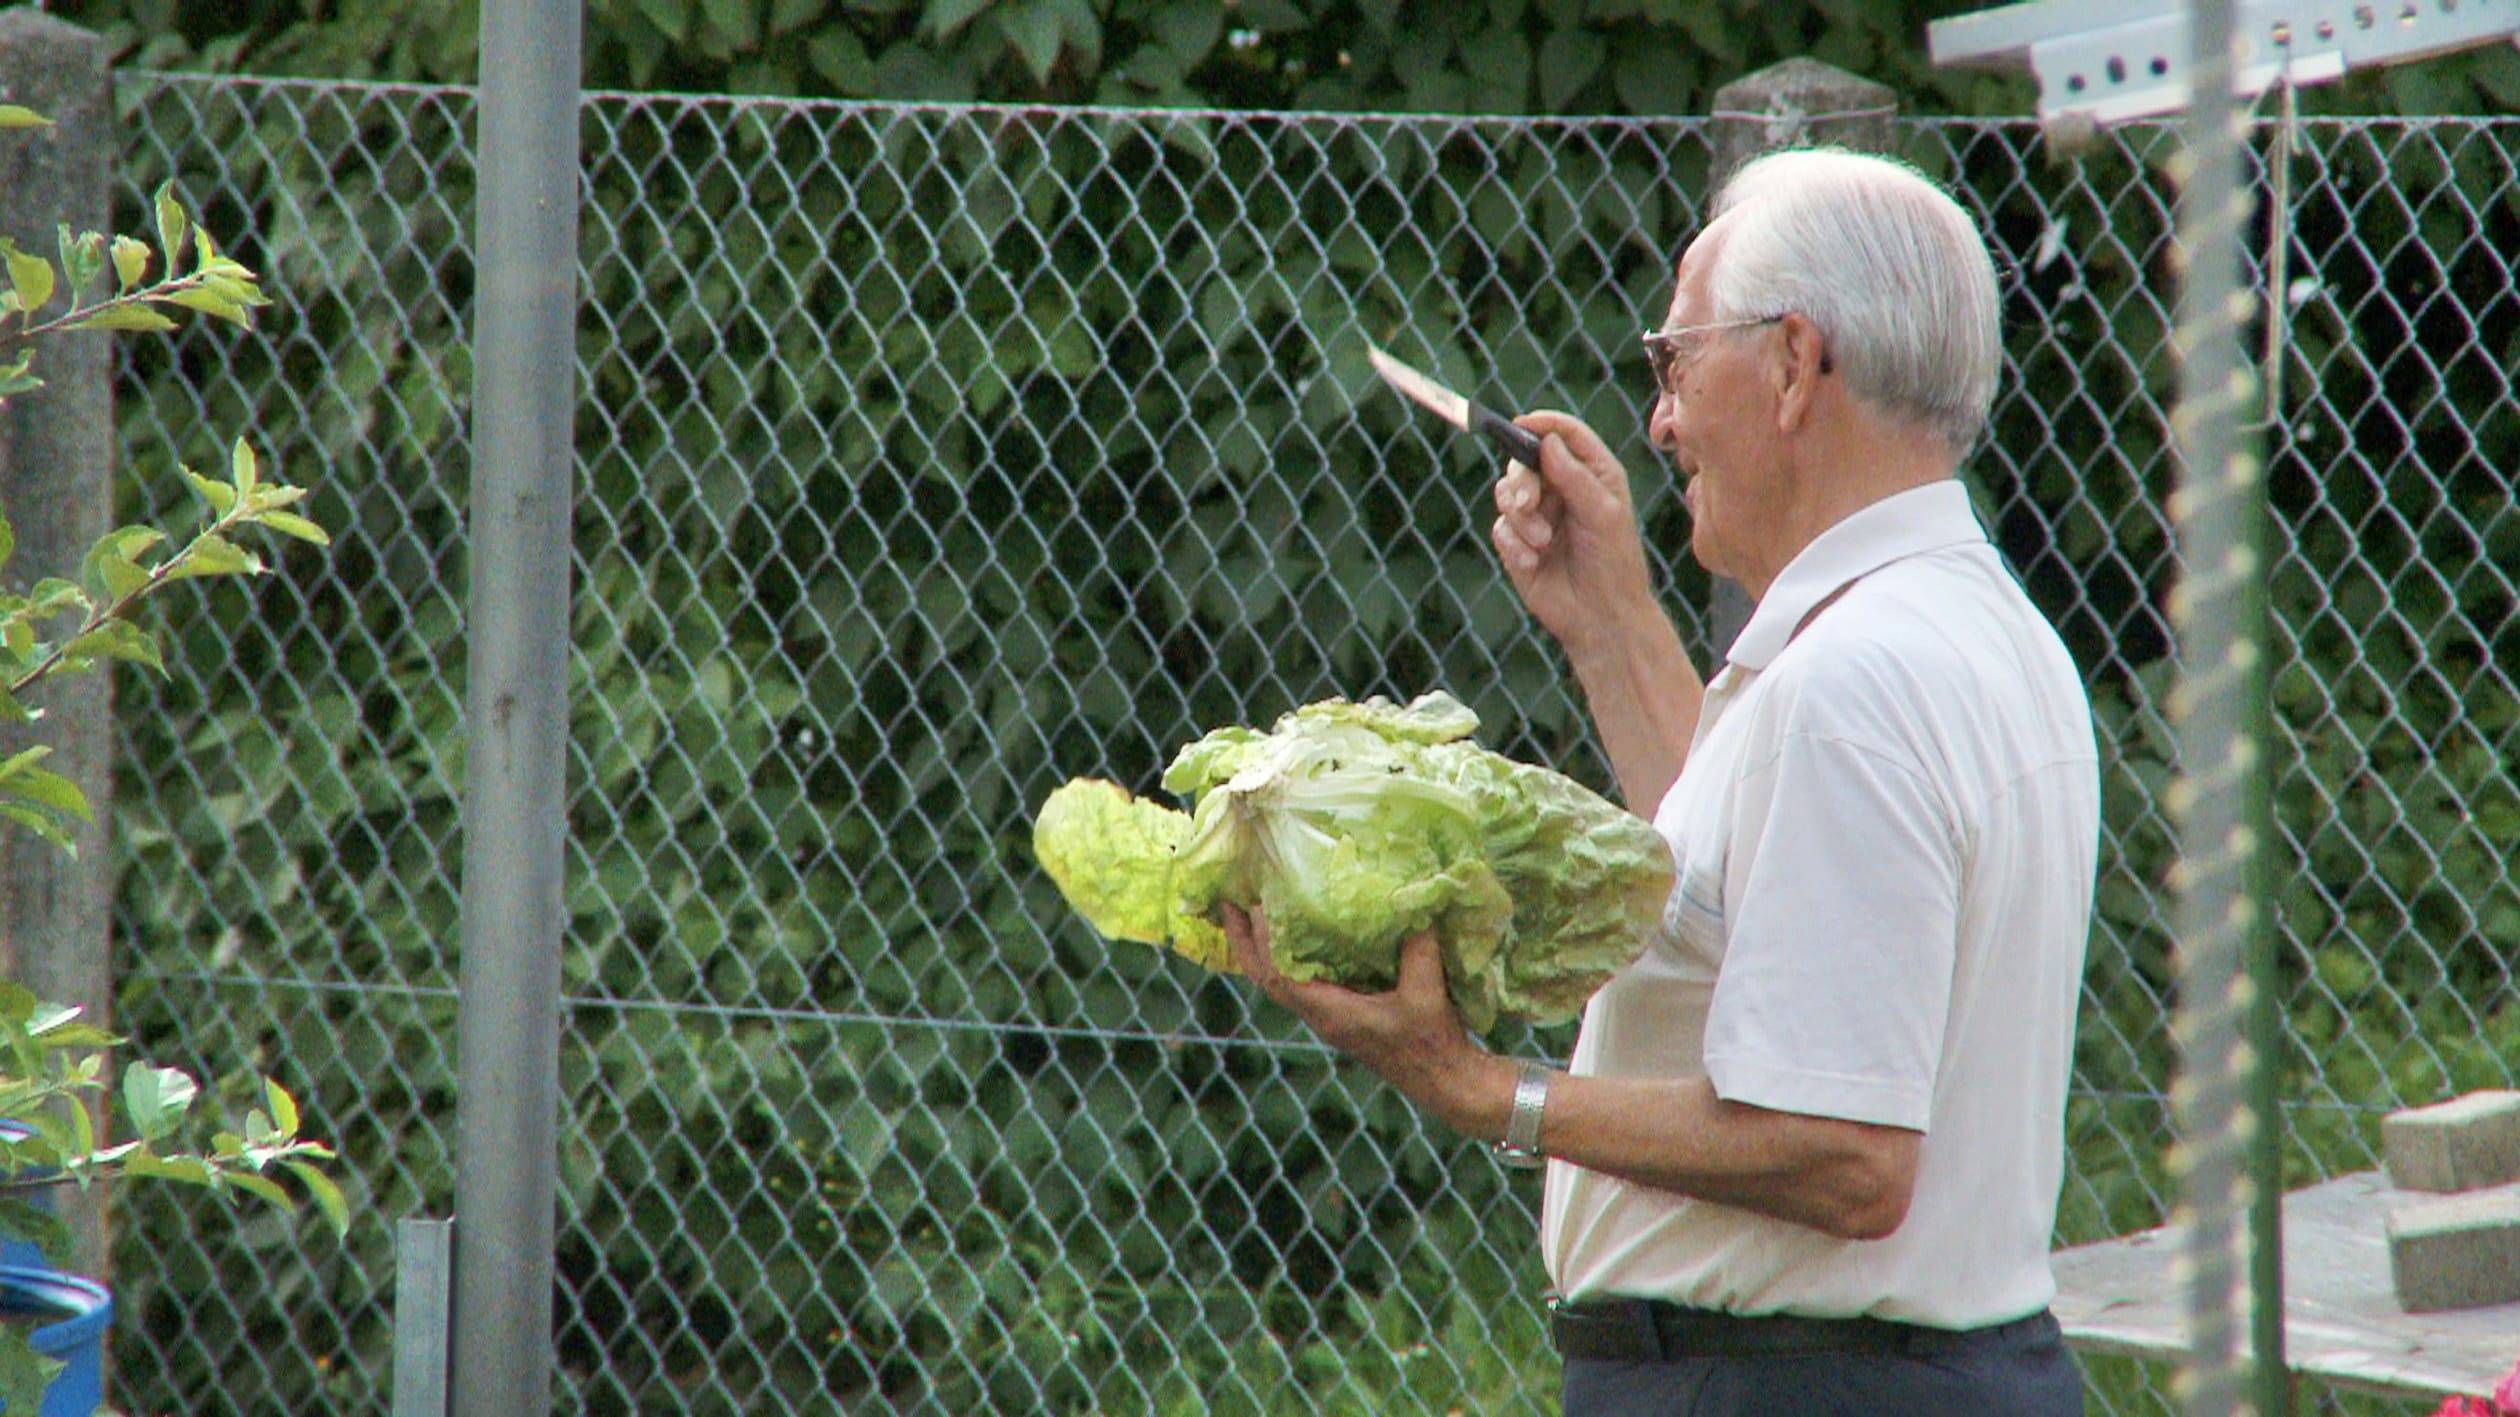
2109, 60
2218, 713
524, 401
2268, 1038
423, 1260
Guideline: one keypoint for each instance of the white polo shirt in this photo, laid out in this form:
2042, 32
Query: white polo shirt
1886, 834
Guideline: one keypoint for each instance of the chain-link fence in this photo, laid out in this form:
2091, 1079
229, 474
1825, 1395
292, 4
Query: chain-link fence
933, 455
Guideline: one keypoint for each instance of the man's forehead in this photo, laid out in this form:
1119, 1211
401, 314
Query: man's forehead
1701, 249
1697, 259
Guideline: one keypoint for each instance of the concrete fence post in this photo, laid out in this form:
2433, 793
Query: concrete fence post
57, 483
1796, 103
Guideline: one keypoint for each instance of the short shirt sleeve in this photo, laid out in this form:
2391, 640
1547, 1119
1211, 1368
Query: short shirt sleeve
1843, 886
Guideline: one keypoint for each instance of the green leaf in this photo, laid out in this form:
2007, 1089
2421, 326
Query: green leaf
1568, 60
82, 259
23, 760
943, 17
220, 496
49, 828
171, 225
16, 378
118, 639
1033, 29
125, 317
191, 1170
211, 555
327, 1195
131, 262
30, 276
672, 18
109, 572
8, 539
82, 1133
289, 525
241, 467
80, 1035
1187, 28
840, 57
738, 22
49, 1017
262, 1187
15, 115
22, 1220
284, 1111
24, 1373
208, 302
154, 1098
52, 790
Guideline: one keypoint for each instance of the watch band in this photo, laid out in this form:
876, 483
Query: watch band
1521, 1146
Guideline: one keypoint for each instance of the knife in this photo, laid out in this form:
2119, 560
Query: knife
1457, 410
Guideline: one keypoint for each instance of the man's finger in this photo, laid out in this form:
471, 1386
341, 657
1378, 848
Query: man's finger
1519, 489
1421, 963
1581, 469
1238, 939
1247, 935
1518, 555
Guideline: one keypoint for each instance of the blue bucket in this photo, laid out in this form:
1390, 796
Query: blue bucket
79, 1310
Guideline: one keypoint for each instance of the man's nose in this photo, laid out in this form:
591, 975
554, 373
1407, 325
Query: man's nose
1658, 422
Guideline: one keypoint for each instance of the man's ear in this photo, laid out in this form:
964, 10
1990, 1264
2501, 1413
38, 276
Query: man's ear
1802, 362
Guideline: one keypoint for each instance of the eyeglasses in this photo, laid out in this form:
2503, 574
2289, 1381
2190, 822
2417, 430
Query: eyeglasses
1672, 351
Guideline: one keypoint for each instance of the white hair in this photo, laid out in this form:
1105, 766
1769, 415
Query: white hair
1889, 267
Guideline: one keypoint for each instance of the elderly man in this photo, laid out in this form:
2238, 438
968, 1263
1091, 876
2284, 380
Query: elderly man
1806, 1158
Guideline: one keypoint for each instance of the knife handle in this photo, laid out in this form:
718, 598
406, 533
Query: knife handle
1519, 443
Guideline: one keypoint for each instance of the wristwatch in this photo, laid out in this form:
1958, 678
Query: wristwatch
1521, 1146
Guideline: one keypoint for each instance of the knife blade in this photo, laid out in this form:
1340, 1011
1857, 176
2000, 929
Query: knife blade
1456, 409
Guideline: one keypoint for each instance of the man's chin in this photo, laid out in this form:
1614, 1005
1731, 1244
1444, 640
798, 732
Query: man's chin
1710, 559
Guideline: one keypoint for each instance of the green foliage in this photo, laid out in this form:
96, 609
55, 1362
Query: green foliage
1637, 57
53, 1090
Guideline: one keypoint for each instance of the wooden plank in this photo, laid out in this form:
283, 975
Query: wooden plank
2341, 1316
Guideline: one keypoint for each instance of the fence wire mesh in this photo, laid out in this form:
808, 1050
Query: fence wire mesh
933, 455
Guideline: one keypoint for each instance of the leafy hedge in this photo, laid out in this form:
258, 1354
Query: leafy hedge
1645, 58
931, 455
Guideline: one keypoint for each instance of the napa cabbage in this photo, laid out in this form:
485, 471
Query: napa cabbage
1355, 825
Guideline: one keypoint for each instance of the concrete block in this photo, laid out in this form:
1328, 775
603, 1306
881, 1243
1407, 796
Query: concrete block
2459, 1145
2456, 1252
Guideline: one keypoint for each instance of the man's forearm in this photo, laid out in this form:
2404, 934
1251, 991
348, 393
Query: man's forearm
1848, 1179
1644, 696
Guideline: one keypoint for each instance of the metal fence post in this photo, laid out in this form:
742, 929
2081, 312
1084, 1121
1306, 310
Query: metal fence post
2220, 805
422, 1257
57, 482
516, 728
1796, 103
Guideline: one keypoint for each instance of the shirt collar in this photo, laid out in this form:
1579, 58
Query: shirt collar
1910, 523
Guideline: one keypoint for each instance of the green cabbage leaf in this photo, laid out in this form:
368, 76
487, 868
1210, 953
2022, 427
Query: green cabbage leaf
1353, 826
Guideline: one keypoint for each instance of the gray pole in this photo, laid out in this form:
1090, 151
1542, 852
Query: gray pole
516, 728
57, 481
1797, 103
2219, 805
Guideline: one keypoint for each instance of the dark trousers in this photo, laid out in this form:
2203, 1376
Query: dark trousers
2019, 1369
